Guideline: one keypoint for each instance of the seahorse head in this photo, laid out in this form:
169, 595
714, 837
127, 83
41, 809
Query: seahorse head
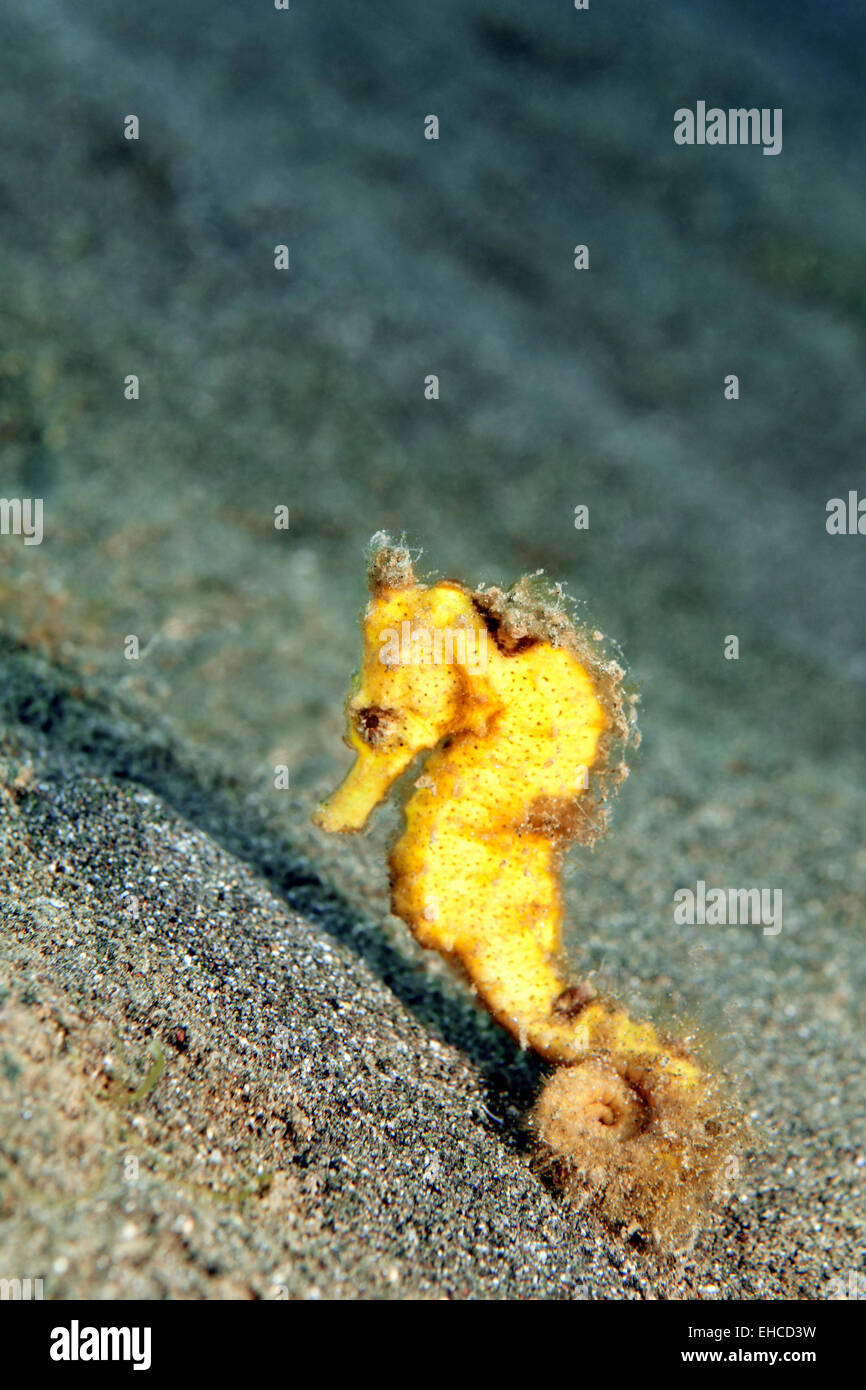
421, 677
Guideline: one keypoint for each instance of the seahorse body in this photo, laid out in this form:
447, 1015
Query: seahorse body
517, 720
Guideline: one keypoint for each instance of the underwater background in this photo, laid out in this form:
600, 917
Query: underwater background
557, 388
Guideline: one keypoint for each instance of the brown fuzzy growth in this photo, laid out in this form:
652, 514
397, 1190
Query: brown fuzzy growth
389, 566
507, 635
573, 1000
561, 819
620, 1139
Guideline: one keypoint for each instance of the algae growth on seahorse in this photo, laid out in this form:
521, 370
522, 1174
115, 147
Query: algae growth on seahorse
525, 724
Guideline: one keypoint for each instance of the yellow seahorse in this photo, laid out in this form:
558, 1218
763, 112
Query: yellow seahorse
528, 723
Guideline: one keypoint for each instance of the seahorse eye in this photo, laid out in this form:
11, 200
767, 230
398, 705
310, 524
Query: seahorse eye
376, 726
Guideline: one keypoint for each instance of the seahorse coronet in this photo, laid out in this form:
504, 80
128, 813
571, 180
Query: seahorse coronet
524, 721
